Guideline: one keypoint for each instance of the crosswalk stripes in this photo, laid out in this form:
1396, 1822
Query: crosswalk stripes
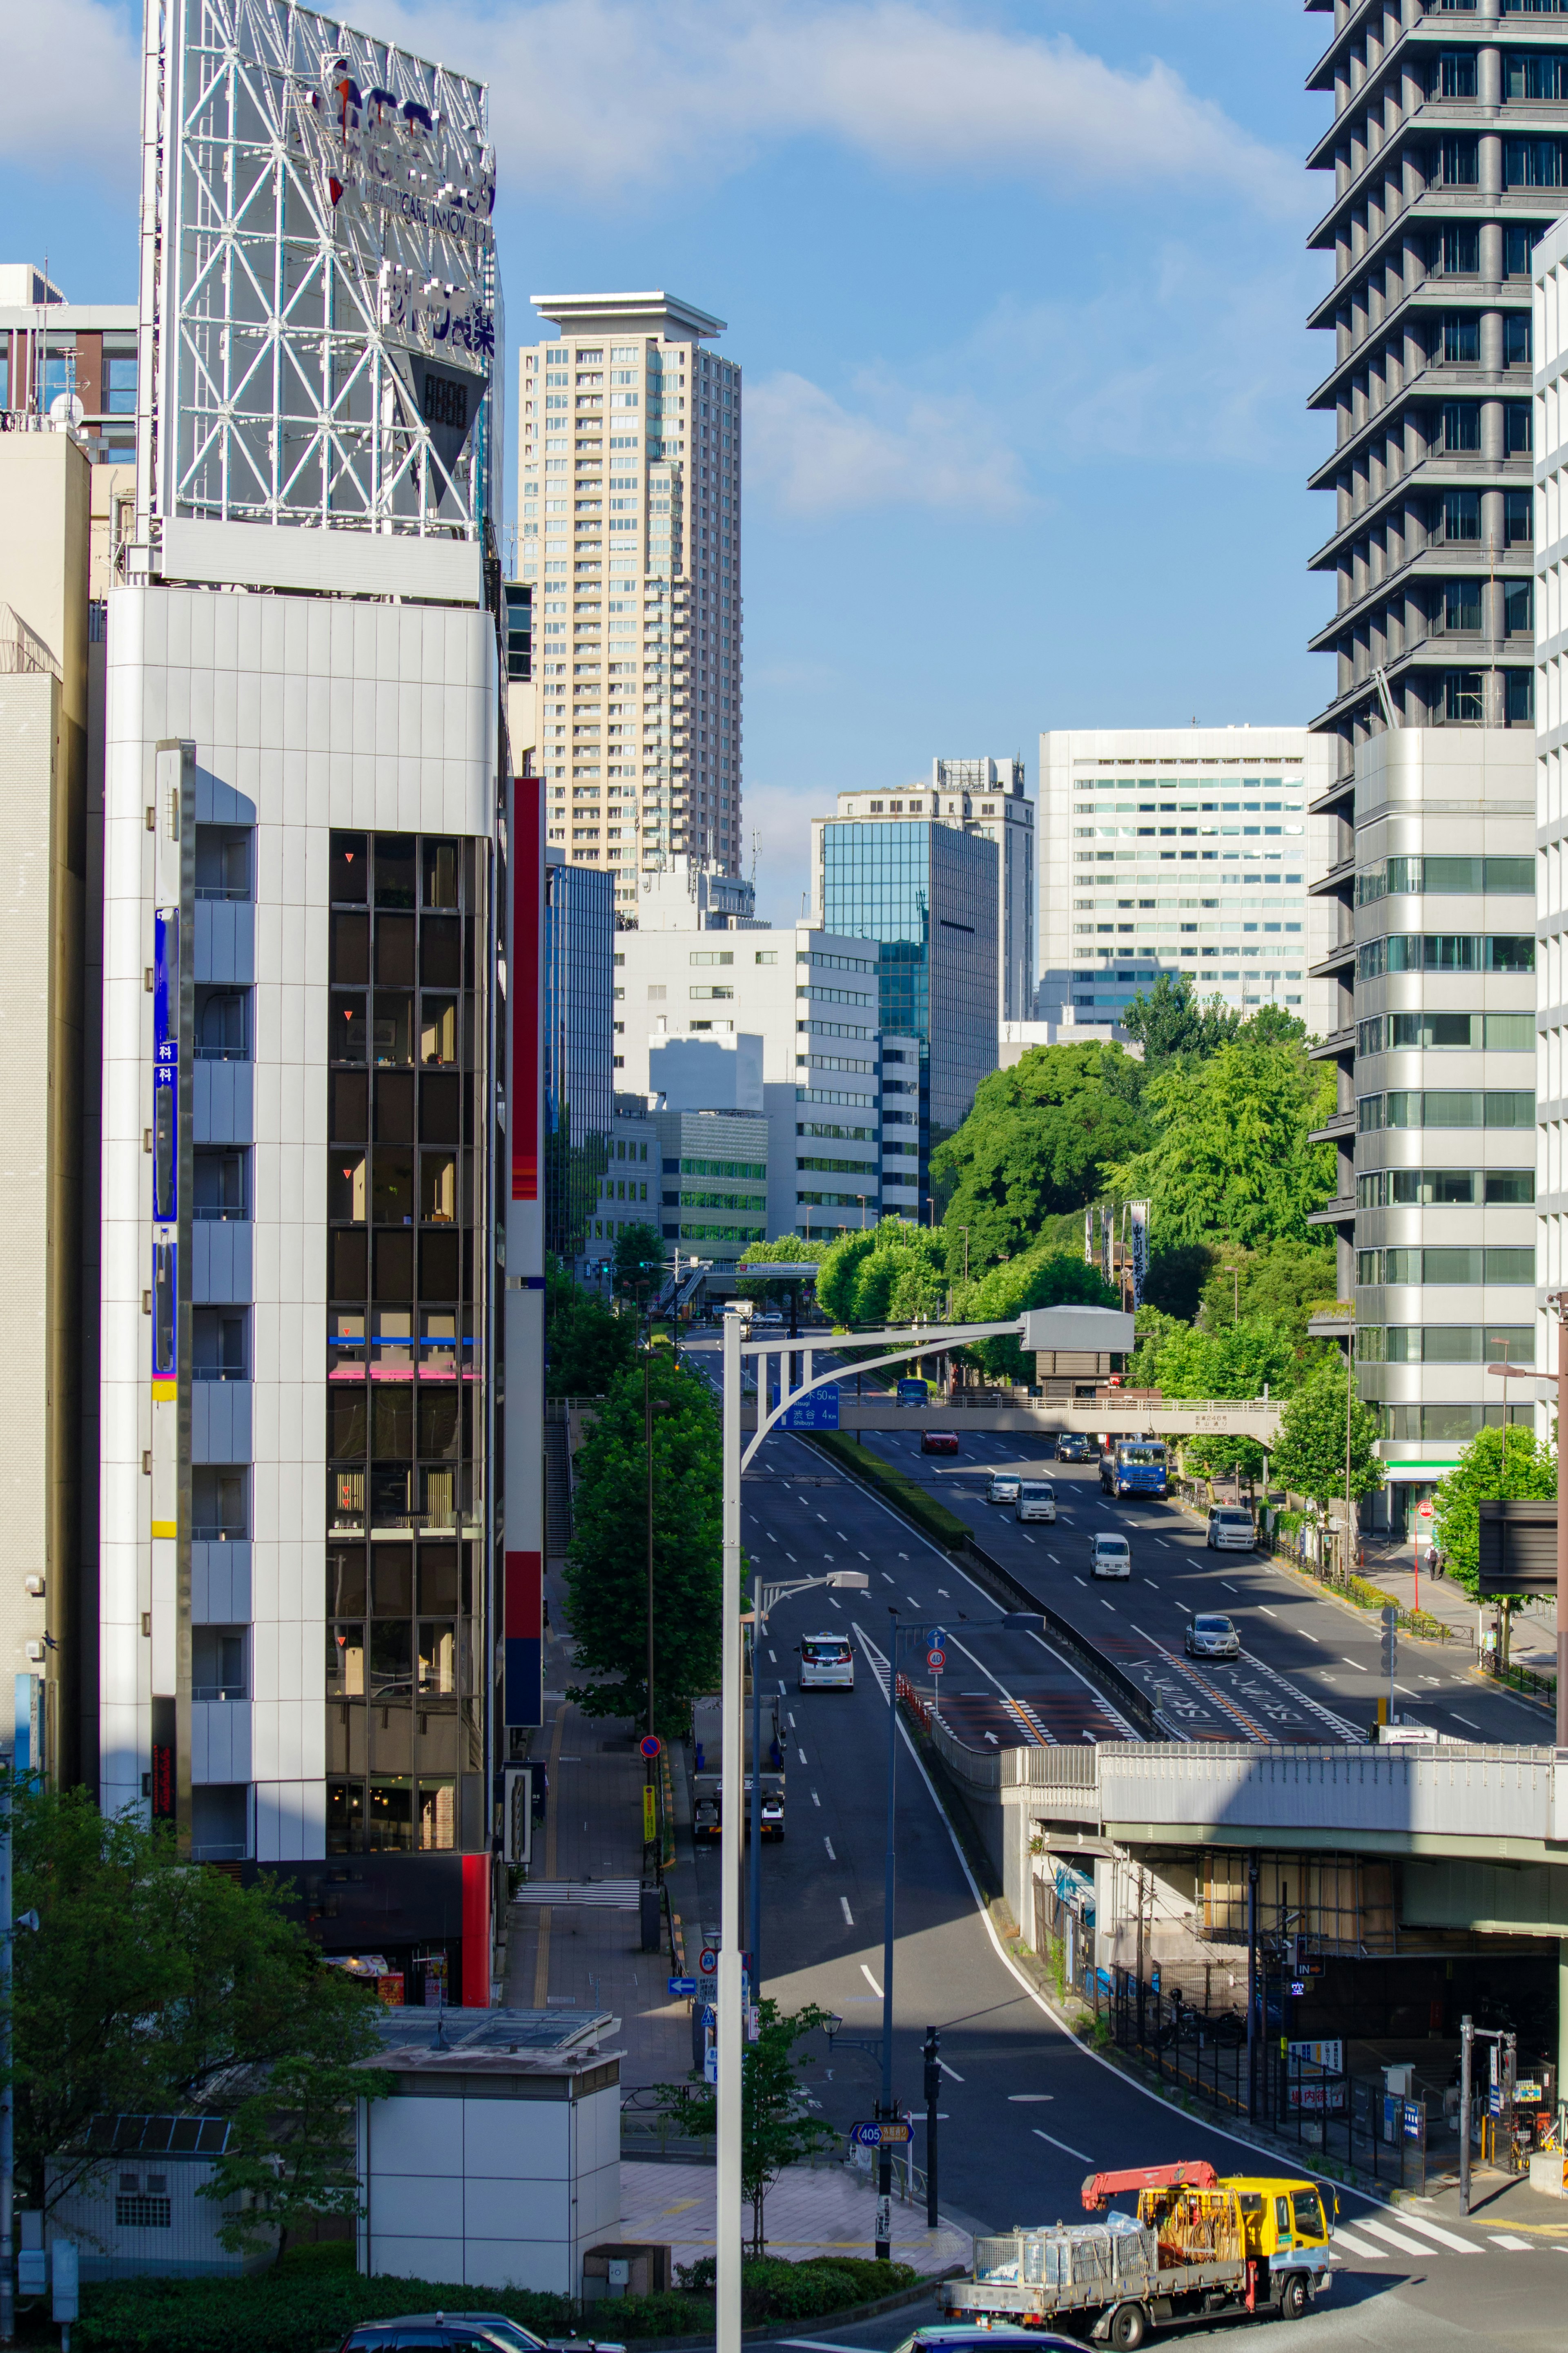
1375, 2240
1435, 2231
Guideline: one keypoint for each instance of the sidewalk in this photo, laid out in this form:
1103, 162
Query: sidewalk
1534, 1637
810, 2210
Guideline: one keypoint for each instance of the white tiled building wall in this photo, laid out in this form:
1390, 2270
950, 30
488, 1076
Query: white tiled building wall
1551, 442
305, 715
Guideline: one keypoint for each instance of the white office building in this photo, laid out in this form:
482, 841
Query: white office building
1186, 851
1551, 443
300, 910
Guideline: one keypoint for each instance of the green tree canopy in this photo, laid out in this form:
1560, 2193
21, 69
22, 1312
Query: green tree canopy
1169, 1020
607, 1562
1231, 1157
1497, 1465
1036, 1143
146, 1979
1182, 1360
586, 1347
892, 1272
777, 2128
783, 1248
1284, 1280
1309, 1453
638, 1271
1043, 1277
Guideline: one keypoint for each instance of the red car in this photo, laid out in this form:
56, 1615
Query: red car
939, 1441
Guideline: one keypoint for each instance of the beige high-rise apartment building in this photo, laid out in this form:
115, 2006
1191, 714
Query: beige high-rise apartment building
629, 535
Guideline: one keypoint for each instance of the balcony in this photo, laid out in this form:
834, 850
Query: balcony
1339, 1212
1337, 1042
1337, 960
1339, 877
1342, 1124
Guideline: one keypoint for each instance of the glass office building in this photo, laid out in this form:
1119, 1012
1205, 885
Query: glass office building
928, 894
579, 1048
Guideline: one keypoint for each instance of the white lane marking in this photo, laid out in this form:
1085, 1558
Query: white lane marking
789, 1555
849, 1915
1311, 1638
1107, 1605
1356, 1664
869, 1979
770, 1536
827, 1842
833, 1605
865, 1556
774, 1657
1018, 2098
950, 2071
801, 1754
1463, 1719
1228, 1586
944, 1593
1081, 2155
1357, 2246
1435, 2231
1027, 1539
1078, 1581
1514, 2246
840, 1534
1266, 1611
818, 2345
1055, 1556
1160, 1540
1150, 1582
886, 1578
1407, 2246
815, 1798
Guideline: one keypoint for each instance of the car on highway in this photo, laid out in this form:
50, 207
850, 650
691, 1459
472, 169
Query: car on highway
1110, 1556
1211, 1636
826, 1662
1037, 1500
1231, 1529
1003, 1487
469, 2332
1072, 1446
939, 1441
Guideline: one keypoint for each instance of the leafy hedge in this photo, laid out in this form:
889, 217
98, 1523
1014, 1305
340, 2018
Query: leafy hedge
908, 1496
312, 2298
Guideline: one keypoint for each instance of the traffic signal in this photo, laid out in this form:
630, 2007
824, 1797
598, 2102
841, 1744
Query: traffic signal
1388, 1649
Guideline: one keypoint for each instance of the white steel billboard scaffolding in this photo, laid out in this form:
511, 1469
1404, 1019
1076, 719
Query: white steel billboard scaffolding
319, 291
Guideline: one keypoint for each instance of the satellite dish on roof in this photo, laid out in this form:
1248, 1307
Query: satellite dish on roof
65, 409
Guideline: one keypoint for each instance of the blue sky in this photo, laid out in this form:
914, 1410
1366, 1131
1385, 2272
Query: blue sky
1019, 292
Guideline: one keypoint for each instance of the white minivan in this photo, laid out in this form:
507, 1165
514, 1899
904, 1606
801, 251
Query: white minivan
1231, 1529
826, 1662
1110, 1556
1037, 1500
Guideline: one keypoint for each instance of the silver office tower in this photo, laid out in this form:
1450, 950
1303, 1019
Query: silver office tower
1447, 166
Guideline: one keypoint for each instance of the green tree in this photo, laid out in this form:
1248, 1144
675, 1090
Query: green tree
586, 1347
291, 2154
607, 1562
1496, 1465
1170, 1021
1035, 1144
1044, 1276
775, 2129
892, 1272
638, 1270
783, 1248
1284, 1280
1309, 1455
1176, 1276
1231, 1159
146, 1979
1222, 1457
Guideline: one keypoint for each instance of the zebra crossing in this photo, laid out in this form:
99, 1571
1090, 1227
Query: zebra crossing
1371, 2240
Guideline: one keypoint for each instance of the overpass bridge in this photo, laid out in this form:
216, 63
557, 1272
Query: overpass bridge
1255, 1418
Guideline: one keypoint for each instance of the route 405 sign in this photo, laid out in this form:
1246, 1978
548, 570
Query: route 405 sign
893, 2135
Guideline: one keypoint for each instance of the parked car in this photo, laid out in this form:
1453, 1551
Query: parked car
1110, 1556
1003, 1487
939, 1441
464, 2332
1072, 1446
1037, 1500
1211, 1636
1231, 1529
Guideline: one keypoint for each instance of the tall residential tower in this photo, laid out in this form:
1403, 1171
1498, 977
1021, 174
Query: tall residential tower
629, 535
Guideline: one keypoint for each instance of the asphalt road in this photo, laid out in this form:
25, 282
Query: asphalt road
1027, 2111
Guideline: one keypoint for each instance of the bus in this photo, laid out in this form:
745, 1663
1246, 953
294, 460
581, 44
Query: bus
1133, 1466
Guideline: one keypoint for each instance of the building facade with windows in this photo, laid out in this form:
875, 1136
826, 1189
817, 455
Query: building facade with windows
299, 1512
926, 891
60, 359
1551, 326
579, 1048
1186, 851
629, 534
989, 796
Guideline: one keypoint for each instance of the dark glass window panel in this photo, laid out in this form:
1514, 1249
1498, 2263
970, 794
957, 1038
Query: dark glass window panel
345, 1500
394, 1266
438, 1580
440, 1108
349, 1258
438, 1188
1452, 1188
393, 1338
391, 1485
394, 1421
350, 1037
392, 1581
346, 1185
218, 1342
440, 873
350, 869
440, 1424
223, 1025
437, 1657
392, 1028
440, 952
219, 1501
348, 1106
395, 951
345, 1817
395, 1106
223, 862
347, 1355
1512, 1184
219, 1178
390, 1823
394, 870
443, 1490
345, 1659
440, 1043
346, 1580
351, 948
392, 1186
391, 1658
439, 1263
346, 1424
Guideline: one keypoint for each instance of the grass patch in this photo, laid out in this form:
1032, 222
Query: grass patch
905, 1493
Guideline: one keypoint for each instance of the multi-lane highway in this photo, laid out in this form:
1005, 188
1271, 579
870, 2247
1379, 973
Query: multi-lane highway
1028, 2110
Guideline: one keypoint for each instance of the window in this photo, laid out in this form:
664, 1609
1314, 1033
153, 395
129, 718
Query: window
1462, 1267
1445, 1187
222, 1025
218, 1343
1518, 608
1461, 343
1456, 252
1454, 74
1454, 1107
1517, 340
1459, 516
1458, 163
1519, 242
1517, 518
1517, 419
1460, 425
1531, 164
218, 1502
140, 2212
1544, 75
1518, 697
220, 1184
1459, 607
223, 862
1462, 698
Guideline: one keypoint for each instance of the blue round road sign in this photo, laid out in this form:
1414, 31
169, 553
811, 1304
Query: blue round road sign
651, 1744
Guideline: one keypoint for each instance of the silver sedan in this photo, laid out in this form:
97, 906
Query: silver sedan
1210, 1636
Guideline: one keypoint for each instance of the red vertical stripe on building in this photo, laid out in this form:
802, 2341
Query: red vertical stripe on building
527, 1106
523, 1605
476, 1932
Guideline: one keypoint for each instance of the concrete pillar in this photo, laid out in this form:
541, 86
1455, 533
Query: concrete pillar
1491, 339
1492, 432
1491, 251
1562, 2014
1491, 144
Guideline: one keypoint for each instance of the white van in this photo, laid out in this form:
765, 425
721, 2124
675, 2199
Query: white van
1110, 1556
1231, 1529
1037, 1500
826, 1662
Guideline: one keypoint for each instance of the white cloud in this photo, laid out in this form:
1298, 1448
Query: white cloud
74, 72
816, 456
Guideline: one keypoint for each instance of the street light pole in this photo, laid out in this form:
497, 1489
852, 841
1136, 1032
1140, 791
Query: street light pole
889, 1886
727, 2250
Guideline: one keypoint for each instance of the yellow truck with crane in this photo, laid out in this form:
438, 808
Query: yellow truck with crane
1198, 2248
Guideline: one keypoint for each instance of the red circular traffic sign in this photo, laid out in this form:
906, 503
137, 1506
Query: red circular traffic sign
650, 1745
1423, 1511
936, 1660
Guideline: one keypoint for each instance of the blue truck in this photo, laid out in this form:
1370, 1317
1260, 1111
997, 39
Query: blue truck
1133, 1466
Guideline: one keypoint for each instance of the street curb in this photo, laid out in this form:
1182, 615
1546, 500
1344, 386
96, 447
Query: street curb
761, 2330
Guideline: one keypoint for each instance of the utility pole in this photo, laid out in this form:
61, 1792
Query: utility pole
1467, 2065
933, 2093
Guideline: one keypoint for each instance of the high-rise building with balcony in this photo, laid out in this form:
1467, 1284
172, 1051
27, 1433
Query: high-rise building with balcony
1447, 153
630, 533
